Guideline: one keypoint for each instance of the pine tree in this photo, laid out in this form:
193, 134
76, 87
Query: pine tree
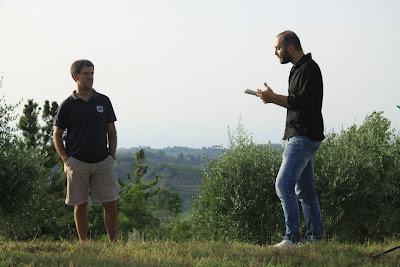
48, 115
29, 124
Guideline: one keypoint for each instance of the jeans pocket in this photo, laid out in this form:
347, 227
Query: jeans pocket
296, 141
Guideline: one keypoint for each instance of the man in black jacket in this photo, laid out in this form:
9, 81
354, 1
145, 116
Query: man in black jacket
303, 136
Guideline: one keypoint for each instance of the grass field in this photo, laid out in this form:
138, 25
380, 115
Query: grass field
326, 253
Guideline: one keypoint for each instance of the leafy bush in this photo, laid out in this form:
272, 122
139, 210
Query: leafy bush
23, 181
237, 200
181, 230
358, 181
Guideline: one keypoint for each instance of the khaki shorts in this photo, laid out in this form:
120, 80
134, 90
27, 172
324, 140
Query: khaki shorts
96, 178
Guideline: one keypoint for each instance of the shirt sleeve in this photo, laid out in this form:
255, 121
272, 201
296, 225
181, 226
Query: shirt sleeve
110, 114
307, 90
60, 120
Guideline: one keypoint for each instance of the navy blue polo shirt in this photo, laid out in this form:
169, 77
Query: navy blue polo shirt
86, 124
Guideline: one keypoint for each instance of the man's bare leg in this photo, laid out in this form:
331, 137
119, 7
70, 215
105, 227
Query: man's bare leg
81, 221
110, 220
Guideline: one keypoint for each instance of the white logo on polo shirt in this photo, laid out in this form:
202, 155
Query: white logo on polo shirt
100, 109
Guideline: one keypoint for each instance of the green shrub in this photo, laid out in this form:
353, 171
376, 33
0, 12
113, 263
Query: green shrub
23, 181
358, 181
181, 230
27, 210
237, 200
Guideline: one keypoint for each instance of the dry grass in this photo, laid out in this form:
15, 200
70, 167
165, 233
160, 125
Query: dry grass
38, 253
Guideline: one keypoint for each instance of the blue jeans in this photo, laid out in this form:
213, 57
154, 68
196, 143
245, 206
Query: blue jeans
295, 181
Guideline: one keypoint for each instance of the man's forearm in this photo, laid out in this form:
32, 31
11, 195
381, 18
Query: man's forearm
59, 146
112, 142
280, 100
268, 96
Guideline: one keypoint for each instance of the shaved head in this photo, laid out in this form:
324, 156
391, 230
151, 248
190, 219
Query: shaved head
289, 38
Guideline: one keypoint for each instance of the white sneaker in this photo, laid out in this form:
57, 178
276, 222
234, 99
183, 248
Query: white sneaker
285, 244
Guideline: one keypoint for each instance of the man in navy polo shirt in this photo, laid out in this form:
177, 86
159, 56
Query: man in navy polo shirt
89, 151
303, 136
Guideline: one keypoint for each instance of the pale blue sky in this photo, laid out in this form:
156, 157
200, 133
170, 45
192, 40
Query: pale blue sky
176, 70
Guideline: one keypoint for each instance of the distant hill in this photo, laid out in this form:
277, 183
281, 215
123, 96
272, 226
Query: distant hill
175, 151
179, 168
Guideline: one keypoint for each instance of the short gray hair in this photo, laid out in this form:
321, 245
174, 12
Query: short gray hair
77, 66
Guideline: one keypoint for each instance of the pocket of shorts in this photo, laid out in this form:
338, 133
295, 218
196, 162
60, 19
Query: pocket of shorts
110, 158
70, 160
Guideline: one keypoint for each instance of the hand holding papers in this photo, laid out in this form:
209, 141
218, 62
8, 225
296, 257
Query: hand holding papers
250, 92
